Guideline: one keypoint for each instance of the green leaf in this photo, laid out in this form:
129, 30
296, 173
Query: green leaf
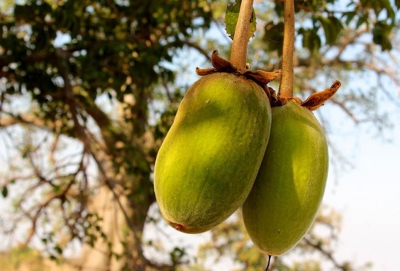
274, 36
311, 39
349, 16
332, 27
363, 19
325, 23
381, 35
4, 191
231, 18
58, 249
389, 8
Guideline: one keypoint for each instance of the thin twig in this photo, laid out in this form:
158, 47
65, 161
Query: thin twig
326, 253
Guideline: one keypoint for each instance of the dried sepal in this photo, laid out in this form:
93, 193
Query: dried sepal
272, 95
220, 64
262, 77
204, 72
317, 99
313, 102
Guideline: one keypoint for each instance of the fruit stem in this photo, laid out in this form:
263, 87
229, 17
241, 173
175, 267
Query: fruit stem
241, 37
287, 78
269, 261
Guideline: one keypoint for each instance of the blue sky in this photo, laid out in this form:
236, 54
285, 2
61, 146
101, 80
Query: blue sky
368, 196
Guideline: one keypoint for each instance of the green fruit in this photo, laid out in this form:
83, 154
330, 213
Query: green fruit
209, 159
288, 190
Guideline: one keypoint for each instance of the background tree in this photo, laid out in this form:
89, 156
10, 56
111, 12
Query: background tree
89, 90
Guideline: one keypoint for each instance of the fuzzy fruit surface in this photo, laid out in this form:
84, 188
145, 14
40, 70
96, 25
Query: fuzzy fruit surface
210, 157
288, 190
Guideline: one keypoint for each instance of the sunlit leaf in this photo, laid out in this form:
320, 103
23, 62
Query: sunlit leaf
311, 39
231, 18
4, 191
273, 37
381, 34
332, 27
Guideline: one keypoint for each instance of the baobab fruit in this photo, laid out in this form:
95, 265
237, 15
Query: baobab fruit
289, 187
210, 157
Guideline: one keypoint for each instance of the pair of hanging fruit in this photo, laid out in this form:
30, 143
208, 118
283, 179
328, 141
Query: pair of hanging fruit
227, 148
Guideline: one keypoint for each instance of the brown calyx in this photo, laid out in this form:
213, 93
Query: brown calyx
313, 102
260, 77
318, 99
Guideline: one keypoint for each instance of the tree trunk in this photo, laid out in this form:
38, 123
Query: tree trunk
120, 238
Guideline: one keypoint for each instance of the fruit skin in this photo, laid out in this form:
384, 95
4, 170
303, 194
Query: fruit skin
209, 159
289, 188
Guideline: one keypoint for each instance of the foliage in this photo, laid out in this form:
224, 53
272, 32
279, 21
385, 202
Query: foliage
326, 17
88, 92
27, 259
231, 18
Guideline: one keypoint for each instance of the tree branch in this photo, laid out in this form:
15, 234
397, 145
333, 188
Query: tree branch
327, 254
